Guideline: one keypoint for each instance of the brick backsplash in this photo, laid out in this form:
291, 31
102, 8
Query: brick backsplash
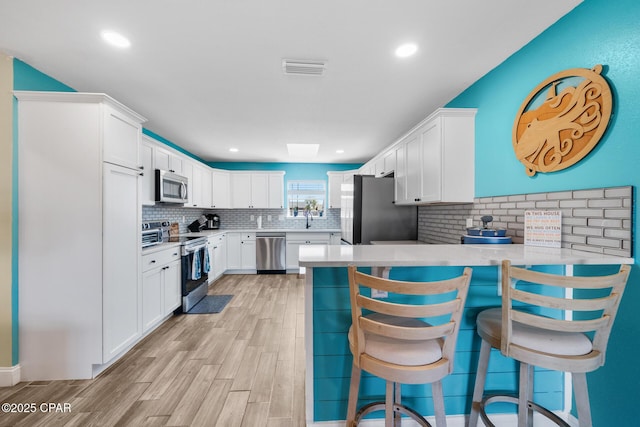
236, 219
596, 220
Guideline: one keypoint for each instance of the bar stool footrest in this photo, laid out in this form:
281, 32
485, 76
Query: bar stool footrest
397, 408
513, 399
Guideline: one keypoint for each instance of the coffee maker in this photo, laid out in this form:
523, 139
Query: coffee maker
213, 221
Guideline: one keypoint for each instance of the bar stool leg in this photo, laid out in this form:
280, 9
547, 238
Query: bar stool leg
582, 399
525, 394
481, 377
389, 414
353, 395
438, 404
397, 416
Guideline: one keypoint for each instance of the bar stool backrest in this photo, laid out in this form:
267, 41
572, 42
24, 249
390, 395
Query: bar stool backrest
445, 298
540, 300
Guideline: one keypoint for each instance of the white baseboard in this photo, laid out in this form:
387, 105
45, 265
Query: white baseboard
9, 376
500, 420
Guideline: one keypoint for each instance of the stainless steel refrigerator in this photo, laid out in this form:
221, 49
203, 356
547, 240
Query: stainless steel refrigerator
368, 212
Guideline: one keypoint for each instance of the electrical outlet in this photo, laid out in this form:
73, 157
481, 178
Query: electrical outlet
268, 217
375, 293
183, 219
253, 217
469, 222
280, 217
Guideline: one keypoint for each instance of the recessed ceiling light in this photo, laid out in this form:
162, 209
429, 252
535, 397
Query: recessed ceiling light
406, 50
116, 39
233, 150
339, 151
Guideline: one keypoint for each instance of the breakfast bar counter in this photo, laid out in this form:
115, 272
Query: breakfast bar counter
327, 318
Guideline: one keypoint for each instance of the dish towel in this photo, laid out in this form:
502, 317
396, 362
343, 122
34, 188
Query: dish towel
206, 265
195, 266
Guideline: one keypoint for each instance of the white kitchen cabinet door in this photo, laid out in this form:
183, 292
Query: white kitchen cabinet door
234, 251
221, 190
248, 249
259, 190
430, 138
390, 162
218, 256
240, 190
276, 191
413, 168
166, 160
171, 287
148, 184
292, 255
400, 174
152, 309
121, 287
205, 182
335, 192
121, 138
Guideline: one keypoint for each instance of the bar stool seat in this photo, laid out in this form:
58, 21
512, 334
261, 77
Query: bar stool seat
399, 342
524, 329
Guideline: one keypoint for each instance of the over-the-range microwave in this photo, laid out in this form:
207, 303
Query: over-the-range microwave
171, 187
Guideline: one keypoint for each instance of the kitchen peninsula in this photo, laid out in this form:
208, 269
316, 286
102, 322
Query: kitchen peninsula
327, 317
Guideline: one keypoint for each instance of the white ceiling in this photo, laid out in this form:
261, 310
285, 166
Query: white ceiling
208, 73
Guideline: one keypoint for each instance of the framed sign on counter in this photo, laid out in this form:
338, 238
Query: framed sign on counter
543, 228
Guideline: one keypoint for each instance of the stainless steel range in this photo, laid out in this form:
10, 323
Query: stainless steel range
195, 270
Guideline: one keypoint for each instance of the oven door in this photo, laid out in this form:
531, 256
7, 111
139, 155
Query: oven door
194, 272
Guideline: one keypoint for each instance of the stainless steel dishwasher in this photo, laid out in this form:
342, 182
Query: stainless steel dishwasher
271, 253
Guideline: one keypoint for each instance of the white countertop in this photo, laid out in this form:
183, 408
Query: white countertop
446, 255
207, 233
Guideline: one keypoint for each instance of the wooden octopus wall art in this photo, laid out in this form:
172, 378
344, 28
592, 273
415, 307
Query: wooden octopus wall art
561, 130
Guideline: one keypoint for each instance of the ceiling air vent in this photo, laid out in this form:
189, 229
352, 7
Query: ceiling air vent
303, 67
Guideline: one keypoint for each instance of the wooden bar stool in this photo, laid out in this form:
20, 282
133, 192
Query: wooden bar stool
394, 341
564, 331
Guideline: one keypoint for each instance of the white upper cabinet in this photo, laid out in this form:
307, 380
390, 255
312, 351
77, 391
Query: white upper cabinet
335, 184
221, 191
121, 138
167, 160
205, 182
276, 191
438, 160
385, 164
257, 190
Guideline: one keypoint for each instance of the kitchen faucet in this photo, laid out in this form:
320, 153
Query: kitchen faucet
307, 214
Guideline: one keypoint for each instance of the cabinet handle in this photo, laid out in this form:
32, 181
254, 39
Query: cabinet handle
141, 167
141, 174
175, 254
416, 200
153, 261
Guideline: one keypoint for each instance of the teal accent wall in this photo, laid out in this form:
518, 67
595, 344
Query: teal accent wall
25, 77
596, 32
171, 144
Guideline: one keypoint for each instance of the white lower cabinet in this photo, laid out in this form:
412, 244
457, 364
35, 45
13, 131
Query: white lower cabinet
241, 252
218, 256
297, 239
161, 292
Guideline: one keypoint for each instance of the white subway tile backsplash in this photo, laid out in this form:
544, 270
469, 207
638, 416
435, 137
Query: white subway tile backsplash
595, 220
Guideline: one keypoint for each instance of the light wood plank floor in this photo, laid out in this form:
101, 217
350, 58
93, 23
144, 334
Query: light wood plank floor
243, 367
